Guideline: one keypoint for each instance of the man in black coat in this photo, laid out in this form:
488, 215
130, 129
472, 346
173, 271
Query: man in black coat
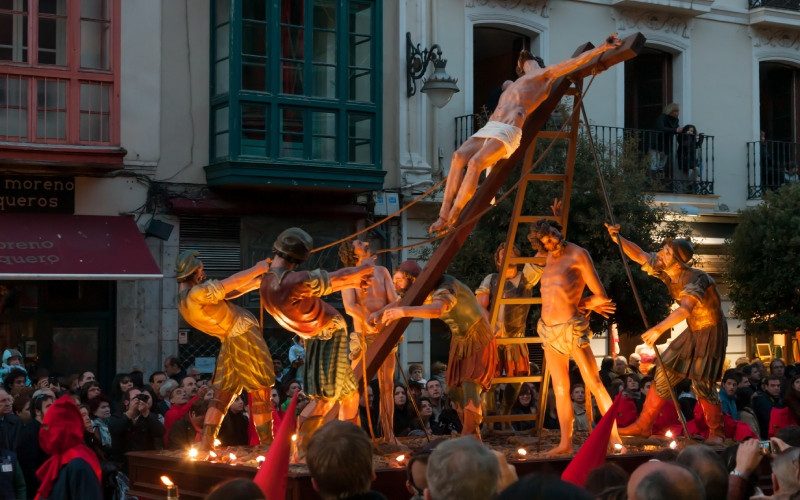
29, 451
10, 424
183, 433
135, 429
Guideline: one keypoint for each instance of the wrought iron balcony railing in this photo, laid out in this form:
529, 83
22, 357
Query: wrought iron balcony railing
770, 164
677, 164
776, 4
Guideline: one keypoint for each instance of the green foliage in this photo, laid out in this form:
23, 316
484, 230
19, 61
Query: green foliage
641, 222
763, 269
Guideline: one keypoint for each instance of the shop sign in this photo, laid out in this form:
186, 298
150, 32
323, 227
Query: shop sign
37, 194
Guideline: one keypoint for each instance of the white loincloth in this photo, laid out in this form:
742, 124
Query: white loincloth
509, 135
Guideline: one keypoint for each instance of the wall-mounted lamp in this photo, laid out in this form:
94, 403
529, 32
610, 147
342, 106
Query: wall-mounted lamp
440, 87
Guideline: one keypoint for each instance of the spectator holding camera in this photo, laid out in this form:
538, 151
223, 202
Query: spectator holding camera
136, 428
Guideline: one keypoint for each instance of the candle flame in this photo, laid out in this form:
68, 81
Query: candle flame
192, 453
400, 458
294, 437
673, 445
217, 442
212, 454
617, 446
668, 434
260, 459
522, 451
232, 457
167, 481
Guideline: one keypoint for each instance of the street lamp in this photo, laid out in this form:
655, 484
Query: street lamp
440, 87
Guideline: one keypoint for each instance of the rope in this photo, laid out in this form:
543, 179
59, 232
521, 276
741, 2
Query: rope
388, 217
636, 296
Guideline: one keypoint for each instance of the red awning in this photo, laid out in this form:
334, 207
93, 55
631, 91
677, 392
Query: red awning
59, 246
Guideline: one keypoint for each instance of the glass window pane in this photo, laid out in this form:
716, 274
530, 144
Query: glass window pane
325, 14
223, 11
221, 119
53, 40
95, 44
324, 47
359, 138
221, 145
360, 83
291, 42
254, 38
291, 133
95, 112
323, 140
324, 81
58, 7
221, 78
360, 17
95, 9
13, 107
14, 35
361, 51
255, 9
254, 75
222, 36
292, 78
51, 109
292, 12
254, 131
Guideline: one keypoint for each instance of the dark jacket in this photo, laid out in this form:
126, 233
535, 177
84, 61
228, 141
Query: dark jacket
182, 434
12, 481
665, 128
76, 481
233, 431
763, 403
134, 435
10, 428
30, 455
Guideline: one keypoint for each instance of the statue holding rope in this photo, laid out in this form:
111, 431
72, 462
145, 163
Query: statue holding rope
501, 136
699, 352
359, 303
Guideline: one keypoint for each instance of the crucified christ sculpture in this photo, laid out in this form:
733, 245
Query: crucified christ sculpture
501, 136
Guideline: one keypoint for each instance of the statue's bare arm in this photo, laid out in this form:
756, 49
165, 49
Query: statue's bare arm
433, 310
560, 69
683, 311
351, 277
245, 281
631, 249
599, 302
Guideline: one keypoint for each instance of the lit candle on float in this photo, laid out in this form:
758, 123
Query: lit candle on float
217, 442
172, 490
617, 448
673, 445
522, 452
668, 434
192, 454
400, 458
260, 459
232, 457
293, 453
212, 455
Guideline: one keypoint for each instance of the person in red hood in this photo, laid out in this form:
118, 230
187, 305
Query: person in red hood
72, 472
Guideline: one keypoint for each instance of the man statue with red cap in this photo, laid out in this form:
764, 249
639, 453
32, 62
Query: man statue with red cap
293, 298
699, 352
244, 360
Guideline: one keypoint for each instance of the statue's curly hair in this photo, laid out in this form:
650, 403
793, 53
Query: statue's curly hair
347, 254
541, 228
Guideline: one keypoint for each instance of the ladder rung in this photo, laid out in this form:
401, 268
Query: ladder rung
552, 134
518, 340
546, 177
522, 301
512, 380
510, 418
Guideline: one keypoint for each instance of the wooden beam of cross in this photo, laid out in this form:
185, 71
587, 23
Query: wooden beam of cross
446, 251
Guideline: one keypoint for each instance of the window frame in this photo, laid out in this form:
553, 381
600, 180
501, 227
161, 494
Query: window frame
72, 73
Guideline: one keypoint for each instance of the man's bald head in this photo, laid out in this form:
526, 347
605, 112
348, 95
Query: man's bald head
785, 473
664, 481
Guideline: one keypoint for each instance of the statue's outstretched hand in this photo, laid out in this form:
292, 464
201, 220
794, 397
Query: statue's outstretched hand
650, 337
613, 231
557, 207
600, 305
613, 40
391, 314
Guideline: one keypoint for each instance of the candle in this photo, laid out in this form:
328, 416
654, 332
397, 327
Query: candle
212, 455
260, 459
172, 490
617, 448
673, 445
400, 458
294, 448
217, 442
522, 452
668, 434
232, 457
192, 454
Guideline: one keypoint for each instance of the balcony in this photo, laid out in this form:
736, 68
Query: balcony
680, 7
770, 164
673, 169
775, 13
